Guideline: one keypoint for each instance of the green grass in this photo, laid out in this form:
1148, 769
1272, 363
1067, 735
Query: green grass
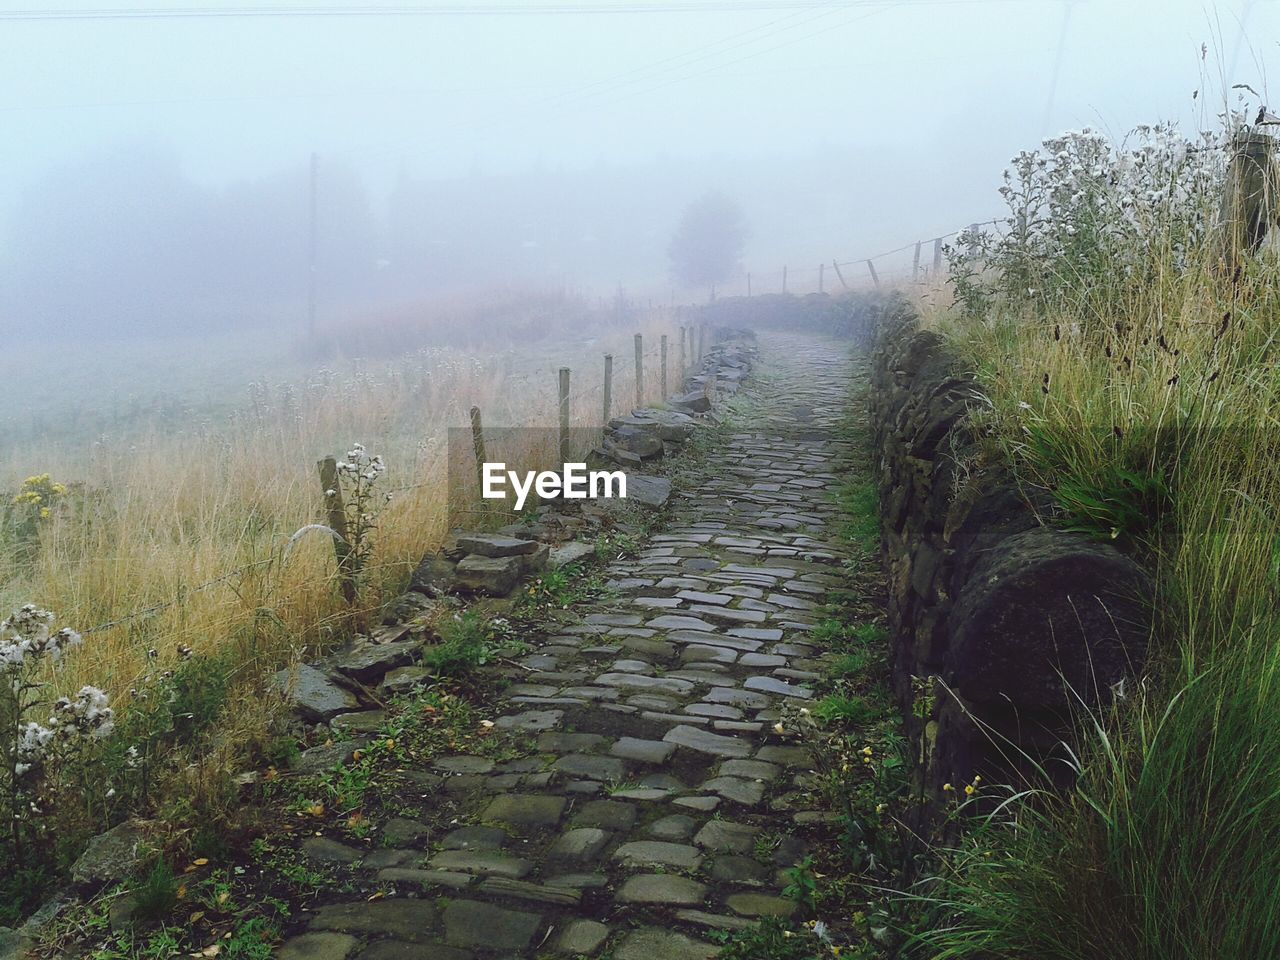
845, 707
849, 665
861, 505
157, 893
1169, 846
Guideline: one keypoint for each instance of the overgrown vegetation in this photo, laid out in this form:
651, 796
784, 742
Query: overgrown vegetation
237, 896
170, 544
1129, 349
470, 641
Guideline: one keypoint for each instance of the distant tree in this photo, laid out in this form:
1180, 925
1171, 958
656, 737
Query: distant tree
708, 242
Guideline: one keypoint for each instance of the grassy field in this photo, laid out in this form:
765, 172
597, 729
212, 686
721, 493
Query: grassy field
1132, 358
178, 472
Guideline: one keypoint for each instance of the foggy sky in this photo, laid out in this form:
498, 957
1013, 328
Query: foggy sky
911, 108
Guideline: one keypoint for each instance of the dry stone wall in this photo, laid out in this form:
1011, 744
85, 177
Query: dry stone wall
1003, 628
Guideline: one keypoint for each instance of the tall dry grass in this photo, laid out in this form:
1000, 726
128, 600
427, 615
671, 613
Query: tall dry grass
175, 533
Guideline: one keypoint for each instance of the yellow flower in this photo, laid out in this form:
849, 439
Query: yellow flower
880, 807
977, 780
44, 513
867, 751
968, 790
947, 788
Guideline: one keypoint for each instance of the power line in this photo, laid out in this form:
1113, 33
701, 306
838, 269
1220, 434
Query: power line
758, 53
585, 94
587, 7
1057, 65
704, 52
421, 93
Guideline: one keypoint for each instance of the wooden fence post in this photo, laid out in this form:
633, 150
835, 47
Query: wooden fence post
937, 256
915, 264
875, 277
1249, 200
608, 388
564, 415
748, 286
822, 267
663, 351
684, 363
639, 370
336, 514
477, 446
839, 274
702, 340
784, 279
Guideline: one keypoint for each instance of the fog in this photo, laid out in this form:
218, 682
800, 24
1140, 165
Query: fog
157, 158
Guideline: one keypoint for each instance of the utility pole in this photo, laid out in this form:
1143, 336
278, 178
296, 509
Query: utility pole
311, 273
1240, 33
1057, 66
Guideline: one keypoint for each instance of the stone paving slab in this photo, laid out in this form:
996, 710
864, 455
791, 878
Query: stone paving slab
638, 827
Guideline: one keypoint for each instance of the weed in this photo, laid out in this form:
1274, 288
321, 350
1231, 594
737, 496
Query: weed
157, 893
845, 708
773, 939
616, 546
46, 767
560, 589
468, 642
840, 636
250, 940
861, 506
802, 885
22, 888
849, 665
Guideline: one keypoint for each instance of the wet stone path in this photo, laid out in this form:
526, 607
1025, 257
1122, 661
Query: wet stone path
663, 805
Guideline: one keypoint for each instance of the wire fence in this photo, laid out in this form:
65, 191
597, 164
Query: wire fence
638, 374
539, 405
919, 261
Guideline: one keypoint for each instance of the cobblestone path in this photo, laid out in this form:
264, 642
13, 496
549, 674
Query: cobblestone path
669, 808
